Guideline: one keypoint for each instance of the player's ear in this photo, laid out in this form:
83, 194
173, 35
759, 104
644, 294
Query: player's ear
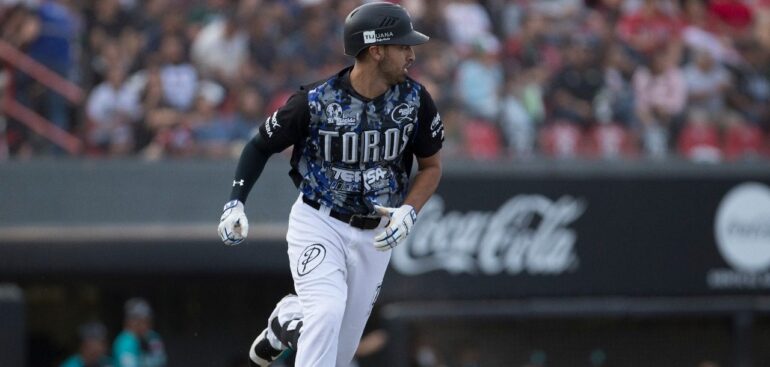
377, 52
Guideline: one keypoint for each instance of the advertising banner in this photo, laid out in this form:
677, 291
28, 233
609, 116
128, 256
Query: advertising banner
496, 237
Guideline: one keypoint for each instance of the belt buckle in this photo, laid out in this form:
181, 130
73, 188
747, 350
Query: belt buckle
353, 218
361, 221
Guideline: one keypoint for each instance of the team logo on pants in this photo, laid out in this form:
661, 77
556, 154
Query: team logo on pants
310, 259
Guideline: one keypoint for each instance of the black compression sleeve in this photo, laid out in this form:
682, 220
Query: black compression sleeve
250, 166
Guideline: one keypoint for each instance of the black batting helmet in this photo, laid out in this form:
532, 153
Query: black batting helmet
379, 23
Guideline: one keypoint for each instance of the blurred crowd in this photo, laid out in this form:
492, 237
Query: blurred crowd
603, 79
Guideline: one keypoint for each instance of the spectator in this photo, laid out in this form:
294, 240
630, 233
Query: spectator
516, 123
308, 53
217, 135
149, 24
20, 25
111, 110
433, 70
433, 21
221, 49
202, 13
574, 88
138, 345
262, 68
274, 52
596, 26
248, 115
107, 21
610, 140
156, 113
467, 21
649, 28
563, 15
262, 42
750, 93
160, 124
54, 48
707, 82
510, 16
533, 47
734, 16
702, 32
479, 80
111, 54
660, 91
179, 79
617, 88
93, 347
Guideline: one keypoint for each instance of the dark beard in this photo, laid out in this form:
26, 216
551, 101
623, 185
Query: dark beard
392, 75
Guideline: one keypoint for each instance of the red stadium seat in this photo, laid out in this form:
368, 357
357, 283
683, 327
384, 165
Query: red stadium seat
482, 140
610, 141
743, 141
561, 139
700, 142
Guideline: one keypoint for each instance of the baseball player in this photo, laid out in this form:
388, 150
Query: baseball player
138, 345
93, 351
355, 136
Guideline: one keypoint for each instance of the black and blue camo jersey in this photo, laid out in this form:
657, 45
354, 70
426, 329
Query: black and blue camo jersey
351, 152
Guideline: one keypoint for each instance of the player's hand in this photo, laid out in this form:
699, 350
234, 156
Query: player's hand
233, 225
402, 220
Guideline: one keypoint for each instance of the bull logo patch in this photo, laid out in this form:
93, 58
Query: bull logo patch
403, 112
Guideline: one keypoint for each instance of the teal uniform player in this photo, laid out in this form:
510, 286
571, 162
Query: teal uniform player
138, 345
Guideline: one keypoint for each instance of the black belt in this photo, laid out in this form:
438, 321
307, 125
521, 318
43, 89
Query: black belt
355, 220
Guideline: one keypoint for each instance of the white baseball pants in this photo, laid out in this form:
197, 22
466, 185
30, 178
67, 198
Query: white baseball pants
337, 276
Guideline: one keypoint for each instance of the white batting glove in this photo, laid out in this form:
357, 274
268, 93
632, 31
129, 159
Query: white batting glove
233, 225
402, 220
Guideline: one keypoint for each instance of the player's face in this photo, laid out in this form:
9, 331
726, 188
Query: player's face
92, 350
141, 326
395, 64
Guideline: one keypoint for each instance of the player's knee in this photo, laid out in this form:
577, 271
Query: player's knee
328, 318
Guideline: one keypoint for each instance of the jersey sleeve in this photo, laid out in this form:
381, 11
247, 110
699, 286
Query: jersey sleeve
288, 124
430, 128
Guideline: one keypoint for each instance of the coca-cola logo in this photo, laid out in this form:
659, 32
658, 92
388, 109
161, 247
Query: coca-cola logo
527, 234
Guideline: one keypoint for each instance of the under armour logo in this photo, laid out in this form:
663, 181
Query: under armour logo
239, 182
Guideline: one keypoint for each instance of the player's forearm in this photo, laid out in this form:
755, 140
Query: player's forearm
250, 166
425, 183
